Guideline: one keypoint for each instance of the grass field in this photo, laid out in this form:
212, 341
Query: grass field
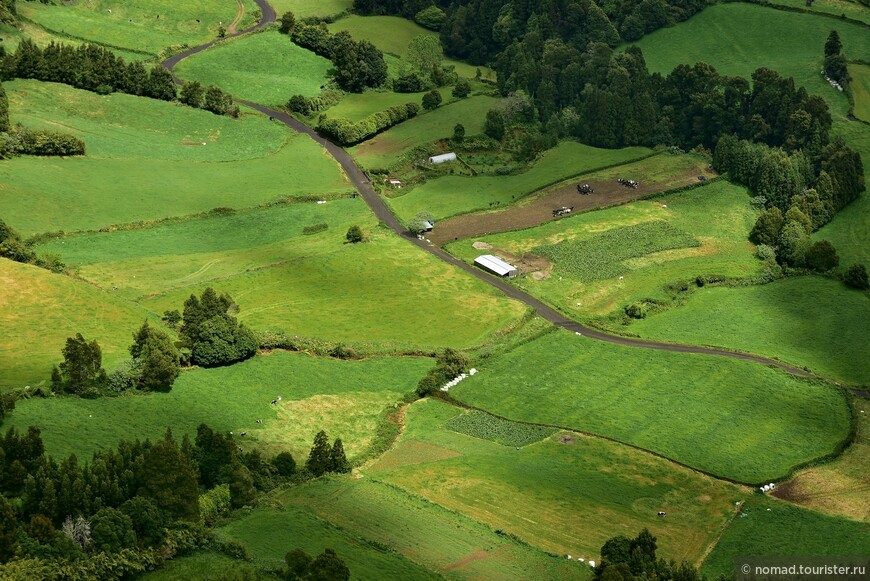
848, 8
309, 8
807, 321
264, 68
451, 195
148, 162
232, 399
40, 310
861, 89
839, 487
724, 249
563, 498
734, 419
355, 106
442, 541
385, 149
767, 527
12, 34
149, 25
206, 565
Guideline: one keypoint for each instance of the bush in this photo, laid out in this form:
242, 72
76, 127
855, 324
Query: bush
432, 18
347, 132
822, 256
431, 100
354, 234
856, 277
636, 310
48, 143
765, 252
314, 228
462, 89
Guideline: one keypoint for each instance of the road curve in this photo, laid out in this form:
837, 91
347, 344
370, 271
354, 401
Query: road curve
383, 213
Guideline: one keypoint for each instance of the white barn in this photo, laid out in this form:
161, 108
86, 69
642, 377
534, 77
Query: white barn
436, 159
495, 265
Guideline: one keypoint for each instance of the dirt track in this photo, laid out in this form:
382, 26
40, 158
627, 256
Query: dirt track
383, 213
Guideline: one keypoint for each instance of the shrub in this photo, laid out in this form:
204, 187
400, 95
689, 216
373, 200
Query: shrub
822, 256
856, 277
347, 132
314, 229
432, 18
765, 252
354, 234
462, 89
636, 310
431, 100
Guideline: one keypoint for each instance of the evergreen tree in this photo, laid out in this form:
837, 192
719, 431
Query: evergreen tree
288, 23
8, 530
833, 45
169, 479
242, 491
337, 460
494, 124
284, 464
160, 84
822, 256
318, 462
4, 113
147, 519
354, 235
112, 530
214, 454
158, 359
298, 564
82, 364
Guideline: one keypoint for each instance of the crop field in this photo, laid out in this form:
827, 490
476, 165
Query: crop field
724, 249
149, 25
767, 527
605, 255
808, 321
566, 494
384, 291
732, 418
861, 90
40, 310
386, 148
206, 565
167, 173
440, 540
230, 399
482, 425
309, 8
451, 195
265, 68
839, 487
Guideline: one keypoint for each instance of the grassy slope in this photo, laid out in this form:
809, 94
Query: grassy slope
12, 35
386, 148
206, 565
849, 8
861, 90
309, 8
355, 106
731, 418
265, 68
565, 499
784, 319
150, 151
149, 25
766, 527
452, 195
229, 399
40, 310
440, 540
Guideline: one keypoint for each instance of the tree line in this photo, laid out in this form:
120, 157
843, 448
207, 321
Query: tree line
20, 140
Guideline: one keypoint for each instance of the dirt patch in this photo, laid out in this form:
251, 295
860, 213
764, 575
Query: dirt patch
482, 246
231, 29
540, 209
567, 440
477, 555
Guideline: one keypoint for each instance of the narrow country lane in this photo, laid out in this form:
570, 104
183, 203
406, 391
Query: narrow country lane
383, 213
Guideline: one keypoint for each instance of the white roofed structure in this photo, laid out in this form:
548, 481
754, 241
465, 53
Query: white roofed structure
442, 158
495, 265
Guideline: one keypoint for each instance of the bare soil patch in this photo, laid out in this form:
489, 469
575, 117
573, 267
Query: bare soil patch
475, 556
231, 29
540, 209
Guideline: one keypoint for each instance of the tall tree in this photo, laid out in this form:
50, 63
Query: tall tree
318, 462
169, 479
82, 363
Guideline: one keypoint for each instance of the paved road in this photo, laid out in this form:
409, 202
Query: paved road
383, 213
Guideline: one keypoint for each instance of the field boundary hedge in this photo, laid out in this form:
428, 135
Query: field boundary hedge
346, 132
799, 10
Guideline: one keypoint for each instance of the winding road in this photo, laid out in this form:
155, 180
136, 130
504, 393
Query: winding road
383, 213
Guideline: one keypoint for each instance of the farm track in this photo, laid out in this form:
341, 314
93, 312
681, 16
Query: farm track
383, 213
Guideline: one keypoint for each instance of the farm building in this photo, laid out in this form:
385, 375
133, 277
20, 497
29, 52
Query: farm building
436, 159
396, 183
495, 265
430, 224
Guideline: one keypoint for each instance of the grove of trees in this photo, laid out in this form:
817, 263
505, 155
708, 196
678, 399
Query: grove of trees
213, 335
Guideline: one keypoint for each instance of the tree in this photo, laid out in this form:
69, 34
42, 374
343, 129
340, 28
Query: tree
856, 277
160, 84
432, 18
4, 115
171, 318
354, 234
112, 530
288, 23
420, 223
169, 479
822, 256
214, 453
459, 133
284, 464
192, 94
82, 364
298, 564
8, 530
767, 227
337, 459
836, 68
212, 334
431, 100
833, 45
328, 566
494, 124
242, 491
793, 244
318, 462
147, 519
158, 359
462, 89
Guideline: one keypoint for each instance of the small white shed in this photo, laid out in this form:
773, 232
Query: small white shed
495, 265
444, 157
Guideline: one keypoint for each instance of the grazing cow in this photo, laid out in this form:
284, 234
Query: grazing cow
244, 433
274, 401
661, 513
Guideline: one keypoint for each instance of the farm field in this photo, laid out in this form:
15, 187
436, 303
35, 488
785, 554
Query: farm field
731, 418
848, 8
11, 35
385, 149
776, 528
232, 399
343, 296
206, 565
839, 487
807, 321
149, 25
443, 541
861, 90
269, 534
355, 106
566, 494
40, 310
266, 68
723, 251
309, 8
451, 195
161, 175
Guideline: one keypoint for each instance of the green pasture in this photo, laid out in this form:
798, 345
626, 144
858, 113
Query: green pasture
848, 8
860, 86
355, 106
12, 34
732, 418
309, 8
146, 161
148, 25
769, 528
40, 310
232, 399
849, 232
443, 541
384, 290
566, 494
450, 195
807, 321
264, 68
206, 565
716, 215
269, 534
386, 148
839, 487
393, 35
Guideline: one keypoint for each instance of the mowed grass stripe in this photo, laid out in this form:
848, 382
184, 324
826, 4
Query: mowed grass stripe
731, 418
